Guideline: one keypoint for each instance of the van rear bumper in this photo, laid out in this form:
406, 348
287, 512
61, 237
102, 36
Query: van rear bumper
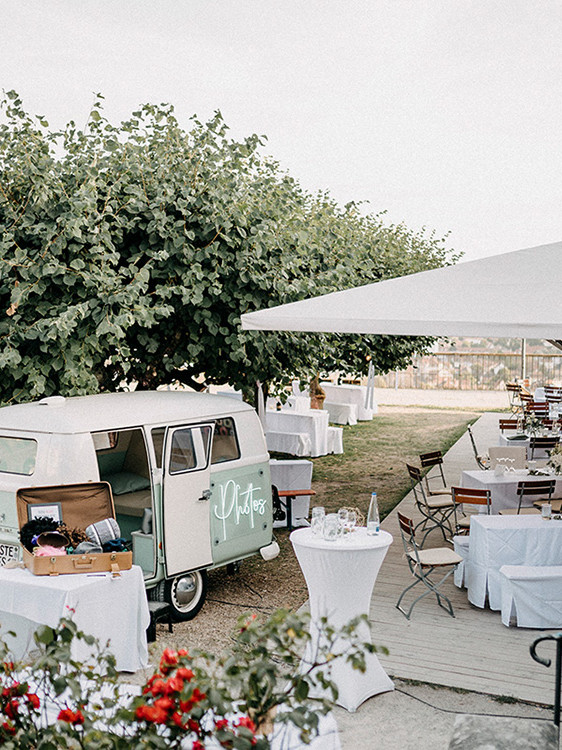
270, 551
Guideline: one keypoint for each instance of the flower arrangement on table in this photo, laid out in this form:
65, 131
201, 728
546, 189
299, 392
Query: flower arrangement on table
555, 459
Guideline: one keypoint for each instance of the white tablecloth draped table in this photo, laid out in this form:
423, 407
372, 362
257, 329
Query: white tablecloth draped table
108, 608
340, 577
507, 540
506, 440
314, 423
293, 475
350, 394
504, 488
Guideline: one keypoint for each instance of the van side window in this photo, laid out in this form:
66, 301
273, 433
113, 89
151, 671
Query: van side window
17, 455
189, 449
225, 442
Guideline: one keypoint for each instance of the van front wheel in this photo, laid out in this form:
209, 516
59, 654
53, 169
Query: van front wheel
185, 593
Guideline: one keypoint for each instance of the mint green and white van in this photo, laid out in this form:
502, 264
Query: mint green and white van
189, 474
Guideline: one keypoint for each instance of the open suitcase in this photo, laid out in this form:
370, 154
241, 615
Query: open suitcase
80, 505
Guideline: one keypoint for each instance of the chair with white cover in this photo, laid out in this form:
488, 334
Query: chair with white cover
532, 594
516, 456
436, 510
423, 564
468, 496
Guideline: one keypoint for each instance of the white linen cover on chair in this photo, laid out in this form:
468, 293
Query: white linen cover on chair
341, 413
533, 594
293, 443
335, 440
461, 546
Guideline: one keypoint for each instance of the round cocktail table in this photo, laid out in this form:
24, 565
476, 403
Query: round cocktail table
340, 577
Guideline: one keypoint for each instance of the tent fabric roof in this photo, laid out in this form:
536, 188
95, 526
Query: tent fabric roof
516, 294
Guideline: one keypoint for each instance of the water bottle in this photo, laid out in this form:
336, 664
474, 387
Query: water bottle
373, 521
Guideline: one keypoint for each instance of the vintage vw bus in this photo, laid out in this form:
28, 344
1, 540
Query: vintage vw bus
189, 474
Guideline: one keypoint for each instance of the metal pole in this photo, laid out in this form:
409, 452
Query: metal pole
523, 359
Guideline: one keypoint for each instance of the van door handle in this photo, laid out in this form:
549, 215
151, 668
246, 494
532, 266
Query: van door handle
205, 495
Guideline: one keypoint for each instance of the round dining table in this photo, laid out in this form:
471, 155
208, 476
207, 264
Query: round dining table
340, 576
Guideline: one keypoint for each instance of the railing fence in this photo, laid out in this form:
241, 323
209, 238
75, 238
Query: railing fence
486, 371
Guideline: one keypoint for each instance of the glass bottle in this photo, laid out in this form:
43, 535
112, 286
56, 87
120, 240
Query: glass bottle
373, 521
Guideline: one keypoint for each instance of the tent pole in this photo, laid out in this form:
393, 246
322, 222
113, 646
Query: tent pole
523, 359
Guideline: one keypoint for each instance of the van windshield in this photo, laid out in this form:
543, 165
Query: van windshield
17, 455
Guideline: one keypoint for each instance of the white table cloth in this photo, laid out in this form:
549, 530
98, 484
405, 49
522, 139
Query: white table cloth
532, 595
293, 443
505, 441
507, 540
108, 608
350, 394
340, 577
504, 488
293, 475
313, 423
341, 413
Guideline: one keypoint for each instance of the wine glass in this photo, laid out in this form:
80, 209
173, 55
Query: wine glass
351, 520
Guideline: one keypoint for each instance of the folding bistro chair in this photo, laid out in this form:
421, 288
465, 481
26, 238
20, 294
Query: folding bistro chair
527, 487
542, 443
422, 564
509, 424
482, 461
468, 496
514, 393
436, 510
434, 460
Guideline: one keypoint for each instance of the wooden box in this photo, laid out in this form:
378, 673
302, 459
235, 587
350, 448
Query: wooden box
81, 505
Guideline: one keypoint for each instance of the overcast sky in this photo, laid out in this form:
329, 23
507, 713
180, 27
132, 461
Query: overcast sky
446, 113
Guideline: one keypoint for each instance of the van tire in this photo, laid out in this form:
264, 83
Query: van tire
183, 608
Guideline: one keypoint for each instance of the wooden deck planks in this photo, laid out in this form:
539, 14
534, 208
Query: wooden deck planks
473, 650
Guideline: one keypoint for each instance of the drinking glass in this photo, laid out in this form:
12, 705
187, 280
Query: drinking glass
342, 515
317, 516
331, 527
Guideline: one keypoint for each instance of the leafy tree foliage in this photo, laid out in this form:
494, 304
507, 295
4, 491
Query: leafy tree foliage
128, 253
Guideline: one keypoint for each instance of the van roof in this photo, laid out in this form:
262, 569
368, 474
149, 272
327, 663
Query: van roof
110, 411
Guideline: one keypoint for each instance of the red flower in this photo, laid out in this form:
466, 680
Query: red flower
221, 724
33, 700
164, 703
193, 726
9, 728
155, 714
197, 745
169, 659
72, 717
245, 721
185, 674
177, 719
174, 685
182, 652
11, 709
158, 687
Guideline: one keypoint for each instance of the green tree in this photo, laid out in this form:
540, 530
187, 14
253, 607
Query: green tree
128, 254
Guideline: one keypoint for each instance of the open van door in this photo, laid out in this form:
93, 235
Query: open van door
185, 498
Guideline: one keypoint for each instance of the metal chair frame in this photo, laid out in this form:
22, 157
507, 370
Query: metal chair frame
542, 487
420, 571
470, 496
542, 443
437, 518
477, 456
430, 461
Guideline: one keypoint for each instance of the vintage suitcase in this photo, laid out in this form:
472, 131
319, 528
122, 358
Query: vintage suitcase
80, 505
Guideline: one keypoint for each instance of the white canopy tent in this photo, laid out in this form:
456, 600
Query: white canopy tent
516, 294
